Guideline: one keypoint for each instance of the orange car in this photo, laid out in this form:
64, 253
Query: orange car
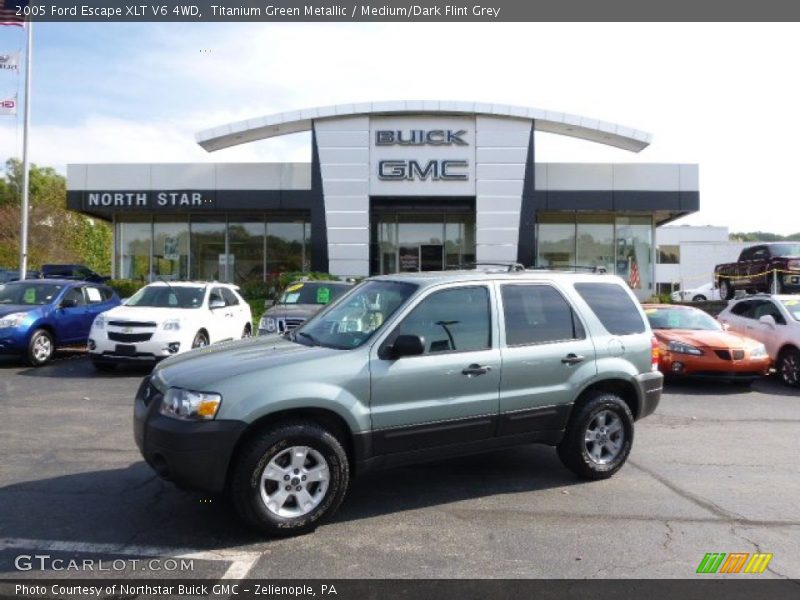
693, 344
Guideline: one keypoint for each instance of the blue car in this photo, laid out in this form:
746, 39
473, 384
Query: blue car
37, 316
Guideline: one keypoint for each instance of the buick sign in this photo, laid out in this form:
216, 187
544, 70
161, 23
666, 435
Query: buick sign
420, 137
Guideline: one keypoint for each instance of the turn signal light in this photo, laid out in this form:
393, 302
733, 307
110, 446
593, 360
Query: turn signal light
654, 353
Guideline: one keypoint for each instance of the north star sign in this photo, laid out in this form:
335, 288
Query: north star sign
165, 200
410, 169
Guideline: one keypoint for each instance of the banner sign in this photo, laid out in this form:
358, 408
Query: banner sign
9, 62
8, 106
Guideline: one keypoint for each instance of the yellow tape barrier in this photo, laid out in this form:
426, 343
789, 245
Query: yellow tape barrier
752, 275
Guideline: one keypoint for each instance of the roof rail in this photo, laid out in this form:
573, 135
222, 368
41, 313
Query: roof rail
590, 268
511, 267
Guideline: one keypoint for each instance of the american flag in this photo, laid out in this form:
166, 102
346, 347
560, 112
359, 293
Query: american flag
9, 10
634, 280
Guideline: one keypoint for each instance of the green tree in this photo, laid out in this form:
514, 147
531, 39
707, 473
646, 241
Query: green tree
55, 235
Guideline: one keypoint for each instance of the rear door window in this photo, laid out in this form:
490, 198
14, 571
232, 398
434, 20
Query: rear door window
537, 314
613, 306
230, 297
93, 294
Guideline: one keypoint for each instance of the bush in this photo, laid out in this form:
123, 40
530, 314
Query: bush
125, 288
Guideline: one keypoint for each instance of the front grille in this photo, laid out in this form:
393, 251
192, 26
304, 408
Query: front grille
133, 323
723, 354
128, 338
289, 323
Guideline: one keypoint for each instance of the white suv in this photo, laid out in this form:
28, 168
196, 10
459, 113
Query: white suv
164, 319
774, 321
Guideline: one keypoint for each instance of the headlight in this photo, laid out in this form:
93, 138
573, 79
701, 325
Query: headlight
681, 348
12, 320
268, 324
171, 325
190, 406
99, 322
759, 351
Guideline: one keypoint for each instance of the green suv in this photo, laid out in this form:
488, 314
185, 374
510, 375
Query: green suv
402, 369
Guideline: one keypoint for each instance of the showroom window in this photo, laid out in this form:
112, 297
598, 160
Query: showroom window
133, 249
669, 254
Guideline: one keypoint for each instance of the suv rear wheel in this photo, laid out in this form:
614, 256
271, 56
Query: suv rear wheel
599, 437
289, 478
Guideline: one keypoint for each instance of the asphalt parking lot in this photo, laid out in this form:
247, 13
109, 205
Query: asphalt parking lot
714, 470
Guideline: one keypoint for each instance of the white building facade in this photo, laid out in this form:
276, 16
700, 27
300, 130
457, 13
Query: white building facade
392, 187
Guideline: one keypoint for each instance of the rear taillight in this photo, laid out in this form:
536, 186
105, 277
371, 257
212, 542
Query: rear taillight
654, 354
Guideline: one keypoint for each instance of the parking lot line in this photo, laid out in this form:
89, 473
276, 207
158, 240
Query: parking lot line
240, 562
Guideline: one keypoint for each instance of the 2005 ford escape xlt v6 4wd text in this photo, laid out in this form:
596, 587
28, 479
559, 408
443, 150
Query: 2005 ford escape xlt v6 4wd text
401, 369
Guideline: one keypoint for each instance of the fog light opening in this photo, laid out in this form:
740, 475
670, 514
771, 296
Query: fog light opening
91, 345
173, 347
677, 367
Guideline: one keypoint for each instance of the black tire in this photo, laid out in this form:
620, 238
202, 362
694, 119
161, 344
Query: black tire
788, 366
699, 298
726, 291
574, 449
40, 348
248, 332
105, 367
776, 285
200, 340
252, 460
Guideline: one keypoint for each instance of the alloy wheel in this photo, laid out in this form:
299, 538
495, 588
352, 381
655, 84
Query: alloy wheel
604, 438
294, 482
790, 368
42, 348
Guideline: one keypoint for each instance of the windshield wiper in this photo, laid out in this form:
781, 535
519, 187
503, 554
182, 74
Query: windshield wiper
311, 338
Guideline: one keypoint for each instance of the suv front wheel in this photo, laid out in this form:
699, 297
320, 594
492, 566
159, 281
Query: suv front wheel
599, 437
287, 479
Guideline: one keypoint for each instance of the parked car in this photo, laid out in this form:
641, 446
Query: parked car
693, 344
771, 268
7, 275
707, 291
163, 319
77, 272
299, 301
404, 368
774, 321
37, 316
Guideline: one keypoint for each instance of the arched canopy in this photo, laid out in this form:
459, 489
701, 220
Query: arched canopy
259, 128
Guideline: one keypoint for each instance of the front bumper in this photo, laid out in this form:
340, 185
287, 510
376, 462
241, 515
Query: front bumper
648, 388
193, 454
161, 344
710, 366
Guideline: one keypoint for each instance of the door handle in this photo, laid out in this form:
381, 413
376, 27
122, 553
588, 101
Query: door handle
476, 369
572, 359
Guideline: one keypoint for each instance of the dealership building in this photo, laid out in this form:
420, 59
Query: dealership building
391, 187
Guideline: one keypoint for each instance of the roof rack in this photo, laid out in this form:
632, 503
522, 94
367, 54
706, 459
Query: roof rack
511, 267
589, 268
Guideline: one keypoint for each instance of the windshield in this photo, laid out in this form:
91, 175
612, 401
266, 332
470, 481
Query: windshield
312, 293
162, 296
681, 318
28, 293
785, 250
355, 318
793, 306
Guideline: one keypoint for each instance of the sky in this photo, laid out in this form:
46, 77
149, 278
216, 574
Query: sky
724, 96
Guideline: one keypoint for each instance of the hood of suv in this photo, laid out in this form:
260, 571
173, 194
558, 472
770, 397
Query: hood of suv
149, 313
7, 309
201, 369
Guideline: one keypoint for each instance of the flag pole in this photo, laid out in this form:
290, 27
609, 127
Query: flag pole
23, 241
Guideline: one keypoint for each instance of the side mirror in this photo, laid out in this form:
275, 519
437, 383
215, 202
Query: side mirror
68, 303
726, 326
216, 304
767, 320
270, 302
408, 345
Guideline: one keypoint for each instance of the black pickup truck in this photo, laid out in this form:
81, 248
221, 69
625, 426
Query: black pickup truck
772, 268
